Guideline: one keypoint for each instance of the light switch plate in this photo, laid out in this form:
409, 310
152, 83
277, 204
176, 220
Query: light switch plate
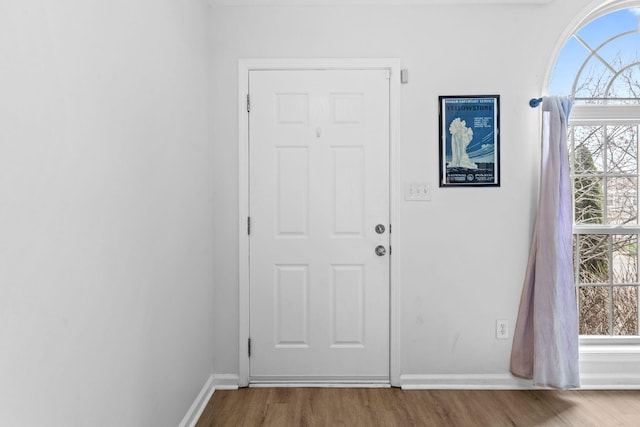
417, 191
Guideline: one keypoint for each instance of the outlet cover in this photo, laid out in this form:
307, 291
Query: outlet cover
502, 329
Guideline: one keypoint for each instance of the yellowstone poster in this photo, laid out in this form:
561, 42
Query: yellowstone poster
469, 140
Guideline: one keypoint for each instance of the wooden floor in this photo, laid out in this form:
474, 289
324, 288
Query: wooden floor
395, 407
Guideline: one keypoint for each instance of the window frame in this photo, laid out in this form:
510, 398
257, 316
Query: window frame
602, 115
586, 114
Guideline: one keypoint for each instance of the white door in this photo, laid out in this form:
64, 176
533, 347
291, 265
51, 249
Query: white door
319, 208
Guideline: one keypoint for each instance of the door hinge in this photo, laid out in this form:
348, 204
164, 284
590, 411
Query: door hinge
249, 225
249, 346
248, 104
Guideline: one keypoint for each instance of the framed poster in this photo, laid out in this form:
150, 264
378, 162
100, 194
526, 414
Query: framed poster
469, 141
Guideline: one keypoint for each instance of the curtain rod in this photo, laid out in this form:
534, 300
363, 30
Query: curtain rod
534, 102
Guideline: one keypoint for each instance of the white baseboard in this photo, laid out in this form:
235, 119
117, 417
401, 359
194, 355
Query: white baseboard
193, 414
590, 381
610, 382
601, 368
464, 381
226, 381
610, 367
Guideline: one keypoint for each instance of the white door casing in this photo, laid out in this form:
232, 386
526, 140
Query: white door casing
319, 298
318, 188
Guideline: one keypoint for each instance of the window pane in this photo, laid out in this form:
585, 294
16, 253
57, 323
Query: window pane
593, 310
622, 200
621, 50
567, 66
625, 258
625, 310
593, 258
609, 25
589, 200
592, 82
588, 153
614, 73
622, 149
626, 85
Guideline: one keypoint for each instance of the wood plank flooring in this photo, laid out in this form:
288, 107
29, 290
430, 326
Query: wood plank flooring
284, 407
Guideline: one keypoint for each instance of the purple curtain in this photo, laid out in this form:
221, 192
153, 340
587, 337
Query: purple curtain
545, 341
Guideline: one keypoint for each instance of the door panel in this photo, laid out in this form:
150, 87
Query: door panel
347, 308
292, 306
348, 191
319, 185
292, 168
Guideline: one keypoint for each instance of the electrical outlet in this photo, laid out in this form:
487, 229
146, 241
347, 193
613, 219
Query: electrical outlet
502, 329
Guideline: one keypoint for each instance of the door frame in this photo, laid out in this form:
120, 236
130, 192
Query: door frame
395, 192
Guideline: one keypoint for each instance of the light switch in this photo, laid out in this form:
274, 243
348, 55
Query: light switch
416, 191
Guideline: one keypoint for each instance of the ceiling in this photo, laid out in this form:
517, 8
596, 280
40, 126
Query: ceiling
367, 2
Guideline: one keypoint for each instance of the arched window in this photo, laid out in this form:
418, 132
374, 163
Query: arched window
599, 67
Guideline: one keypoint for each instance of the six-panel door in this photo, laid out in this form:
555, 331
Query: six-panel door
319, 187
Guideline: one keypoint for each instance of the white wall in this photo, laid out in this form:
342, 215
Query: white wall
465, 252
106, 211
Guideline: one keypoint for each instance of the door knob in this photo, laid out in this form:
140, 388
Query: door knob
380, 228
380, 250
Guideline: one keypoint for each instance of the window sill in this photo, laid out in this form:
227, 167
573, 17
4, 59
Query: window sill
595, 344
